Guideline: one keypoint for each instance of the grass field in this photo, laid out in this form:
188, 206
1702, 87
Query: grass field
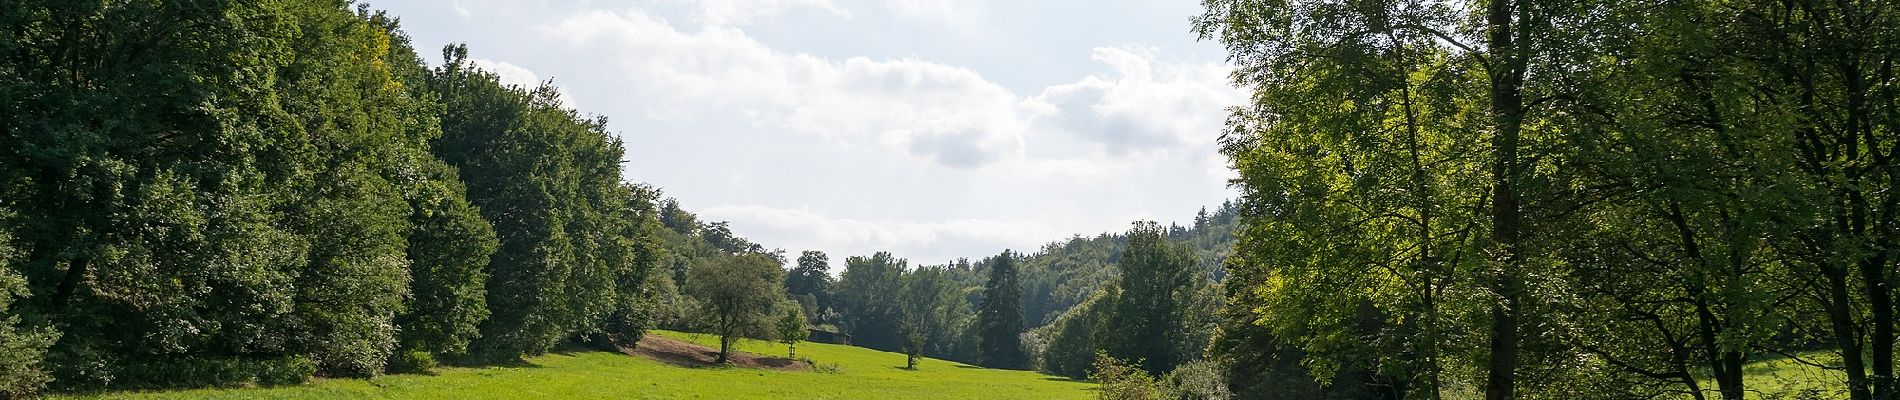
1783, 378
860, 374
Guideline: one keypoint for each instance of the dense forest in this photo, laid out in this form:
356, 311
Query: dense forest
1499, 199
1527, 199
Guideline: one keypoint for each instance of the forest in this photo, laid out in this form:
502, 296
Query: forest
1496, 199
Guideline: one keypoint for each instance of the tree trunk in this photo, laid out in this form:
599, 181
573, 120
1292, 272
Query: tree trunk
1507, 111
1842, 319
1880, 304
725, 348
75, 271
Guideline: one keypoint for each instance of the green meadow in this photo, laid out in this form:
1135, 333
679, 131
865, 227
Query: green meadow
845, 372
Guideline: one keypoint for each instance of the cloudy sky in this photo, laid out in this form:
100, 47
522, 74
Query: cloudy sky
933, 129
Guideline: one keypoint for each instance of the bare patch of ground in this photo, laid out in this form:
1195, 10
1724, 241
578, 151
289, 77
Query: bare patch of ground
687, 354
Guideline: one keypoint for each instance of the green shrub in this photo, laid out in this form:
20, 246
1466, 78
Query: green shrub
1123, 381
21, 350
288, 371
1198, 380
411, 361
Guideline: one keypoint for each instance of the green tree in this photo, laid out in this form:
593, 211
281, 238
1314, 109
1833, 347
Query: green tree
738, 297
791, 328
549, 181
1000, 316
866, 291
927, 305
812, 277
1158, 283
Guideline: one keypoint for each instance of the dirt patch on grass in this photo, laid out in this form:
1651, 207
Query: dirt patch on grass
688, 354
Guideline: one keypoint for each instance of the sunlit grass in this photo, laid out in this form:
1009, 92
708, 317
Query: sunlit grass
860, 374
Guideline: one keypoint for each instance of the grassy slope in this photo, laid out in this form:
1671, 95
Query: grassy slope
861, 374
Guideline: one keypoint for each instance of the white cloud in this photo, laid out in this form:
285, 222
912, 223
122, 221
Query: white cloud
1145, 105
930, 128
924, 241
516, 75
933, 111
741, 12
959, 13
943, 114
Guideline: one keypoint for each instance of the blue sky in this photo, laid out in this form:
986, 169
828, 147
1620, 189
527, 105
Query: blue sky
933, 129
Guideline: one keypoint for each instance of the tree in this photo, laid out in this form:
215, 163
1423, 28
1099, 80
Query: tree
1158, 283
865, 296
1000, 317
927, 305
812, 277
738, 297
566, 240
791, 328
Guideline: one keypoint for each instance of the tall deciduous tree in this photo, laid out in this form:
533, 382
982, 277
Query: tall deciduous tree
1159, 283
812, 277
927, 306
865, 294
549, 181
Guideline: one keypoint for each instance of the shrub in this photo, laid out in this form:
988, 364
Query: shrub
21, 350
1198, 380
411, 361
1123, 381
292, 370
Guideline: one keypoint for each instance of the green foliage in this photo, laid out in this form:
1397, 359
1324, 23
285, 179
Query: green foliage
1000, 316
1197, 380
549, 181
790, 328
927, 307
1548, 199
739, 297
22, 348
1124, 381
211, 184
1150, 315
865, 293
214, 372
811, 278
1076, 337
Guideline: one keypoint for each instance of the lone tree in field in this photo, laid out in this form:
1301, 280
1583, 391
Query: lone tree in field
927, 302
1001, 315
791, 328
737, 296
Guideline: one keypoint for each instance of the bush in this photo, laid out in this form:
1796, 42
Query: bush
1198, 380
411, 362
291, 370
200, 372
21, 350
1123, 381
181, 372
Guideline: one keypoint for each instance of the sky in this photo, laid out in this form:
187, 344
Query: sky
932, 129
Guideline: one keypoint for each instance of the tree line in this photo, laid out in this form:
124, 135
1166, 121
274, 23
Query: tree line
1560, 198
230, 193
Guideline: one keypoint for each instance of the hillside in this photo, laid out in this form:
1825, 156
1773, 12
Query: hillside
859, 374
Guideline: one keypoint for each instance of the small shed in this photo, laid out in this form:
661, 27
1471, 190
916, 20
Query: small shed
827, 336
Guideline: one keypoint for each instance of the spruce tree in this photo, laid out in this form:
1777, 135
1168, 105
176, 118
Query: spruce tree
1001, 316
